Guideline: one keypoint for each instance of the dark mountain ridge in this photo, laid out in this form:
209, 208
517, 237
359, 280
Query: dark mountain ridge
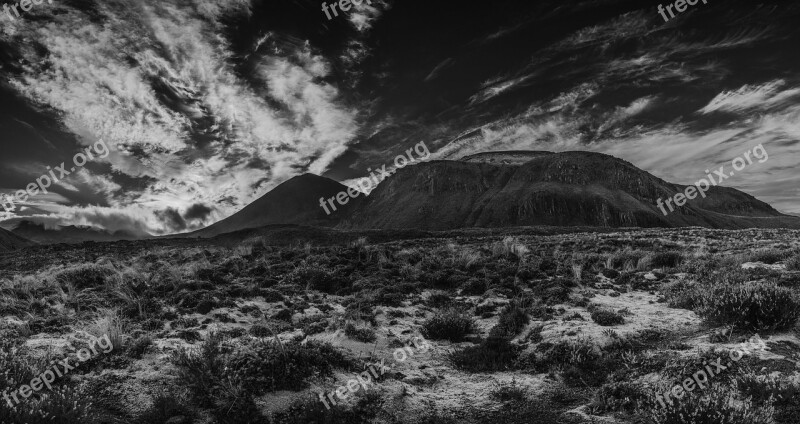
561, 189
507, 189
296, 201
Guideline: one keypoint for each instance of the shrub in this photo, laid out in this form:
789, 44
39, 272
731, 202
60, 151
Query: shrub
494, 354
718, 404
164, 408
659, 260
607, 317
767, 256
110, 324
512, 320
510, 248
619, 396
61, 405
751, 306
139, 347
311, 410
510, 391
793, 263
227, 381
474, 287
85, 276
317, 278
581, 363
450, 324
364, 335
762, 389
682, 294
267, 365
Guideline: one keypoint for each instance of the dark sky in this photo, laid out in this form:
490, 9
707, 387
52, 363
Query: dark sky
206, 105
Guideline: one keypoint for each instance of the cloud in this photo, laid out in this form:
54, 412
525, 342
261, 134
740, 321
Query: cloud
156, 81
749, 97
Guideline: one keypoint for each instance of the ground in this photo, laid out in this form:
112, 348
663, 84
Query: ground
470, 326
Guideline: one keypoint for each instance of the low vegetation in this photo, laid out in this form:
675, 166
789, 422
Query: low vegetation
526, 323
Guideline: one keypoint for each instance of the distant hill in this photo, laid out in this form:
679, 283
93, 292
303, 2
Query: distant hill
69, 234
296, 201
561, 189
506, 189
10, 241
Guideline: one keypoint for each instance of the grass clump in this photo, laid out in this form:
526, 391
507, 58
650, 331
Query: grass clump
227, 380
659, 260
363, 334
607, 317
450, 324
494, 354
751, 306
718, 404
512, 320
85, 276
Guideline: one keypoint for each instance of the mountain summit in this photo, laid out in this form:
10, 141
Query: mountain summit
296, 201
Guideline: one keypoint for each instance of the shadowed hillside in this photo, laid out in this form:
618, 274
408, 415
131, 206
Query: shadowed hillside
294, 202
563, 189
10, 241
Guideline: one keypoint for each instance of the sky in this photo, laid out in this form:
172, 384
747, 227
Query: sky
206, 105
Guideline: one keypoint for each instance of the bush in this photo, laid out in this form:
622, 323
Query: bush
364, 335
61, 405
659, 260
267, 366
751, 306
767, 256
512, 320
718, 404
474, 287
85, 276
450, 324
163, 409
607, 317
793, 263
494, 354
682, 294
624, 396
311, 410
317, 278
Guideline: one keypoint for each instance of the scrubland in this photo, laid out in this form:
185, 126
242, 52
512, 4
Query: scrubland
567, 328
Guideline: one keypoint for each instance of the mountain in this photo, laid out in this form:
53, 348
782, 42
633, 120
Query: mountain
506, 189
561, 189
10, 241
69, 234
296, 201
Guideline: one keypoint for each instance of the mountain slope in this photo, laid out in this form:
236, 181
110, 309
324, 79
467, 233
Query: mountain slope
296, 201
10, 241
69, 234
562, 189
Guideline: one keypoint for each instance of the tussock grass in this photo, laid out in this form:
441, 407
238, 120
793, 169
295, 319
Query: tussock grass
450, 324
